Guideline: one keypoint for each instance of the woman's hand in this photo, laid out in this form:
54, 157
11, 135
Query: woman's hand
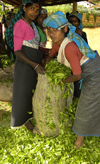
39, 69
72, 78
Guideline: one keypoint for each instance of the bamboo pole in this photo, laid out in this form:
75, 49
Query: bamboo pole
74, 6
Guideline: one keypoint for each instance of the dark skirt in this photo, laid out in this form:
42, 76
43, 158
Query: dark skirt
77, 90
87, 117
25, 80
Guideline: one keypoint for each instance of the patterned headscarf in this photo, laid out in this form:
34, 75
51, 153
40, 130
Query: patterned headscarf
77, 15
58, 20
9, 31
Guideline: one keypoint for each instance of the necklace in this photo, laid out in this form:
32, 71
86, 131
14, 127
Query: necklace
27, 22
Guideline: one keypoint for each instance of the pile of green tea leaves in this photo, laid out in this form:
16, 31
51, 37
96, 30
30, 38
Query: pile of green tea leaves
23, 147
6, 62
6, 81
56, 72
5, 109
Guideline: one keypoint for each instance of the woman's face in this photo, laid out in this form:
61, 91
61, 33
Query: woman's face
57, 36
31, 12
74, 21
41, 18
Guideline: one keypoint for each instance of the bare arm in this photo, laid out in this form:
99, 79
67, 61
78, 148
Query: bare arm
52, 54
73, 78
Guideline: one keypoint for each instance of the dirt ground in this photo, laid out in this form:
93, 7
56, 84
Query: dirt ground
93, 36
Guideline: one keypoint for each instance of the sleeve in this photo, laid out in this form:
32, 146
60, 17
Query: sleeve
72, 55
54, 50
19, 32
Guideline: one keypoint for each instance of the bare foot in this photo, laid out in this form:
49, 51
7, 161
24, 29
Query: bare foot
29, 126
79, 141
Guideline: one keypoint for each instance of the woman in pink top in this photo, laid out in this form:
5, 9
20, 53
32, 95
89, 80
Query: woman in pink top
28, 56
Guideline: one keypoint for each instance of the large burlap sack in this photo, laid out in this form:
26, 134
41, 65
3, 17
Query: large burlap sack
48, 107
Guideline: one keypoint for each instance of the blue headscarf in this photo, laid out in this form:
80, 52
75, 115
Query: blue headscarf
77, 15
58, 20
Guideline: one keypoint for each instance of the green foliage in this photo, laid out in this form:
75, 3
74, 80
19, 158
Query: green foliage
89, 25
15, 11
94, 1
6, 61
24, 147
5, 11
4, 115
98, 25
56, 72
49, 113
65, 8
68, 8
95, 12
1, 12
6, 109
6, 81
87, 16
95, 17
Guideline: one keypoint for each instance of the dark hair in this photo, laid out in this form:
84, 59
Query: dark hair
67, 15
12, 9
32, 2
66, 33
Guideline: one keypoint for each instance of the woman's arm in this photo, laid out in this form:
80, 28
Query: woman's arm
73, 78
24, 58
52, 54
73, 55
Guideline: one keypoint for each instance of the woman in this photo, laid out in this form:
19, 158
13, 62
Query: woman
77, 38
75, 19
28, 57
41, 30
84, 66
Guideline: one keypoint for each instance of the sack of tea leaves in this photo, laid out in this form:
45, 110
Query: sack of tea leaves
49, 104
